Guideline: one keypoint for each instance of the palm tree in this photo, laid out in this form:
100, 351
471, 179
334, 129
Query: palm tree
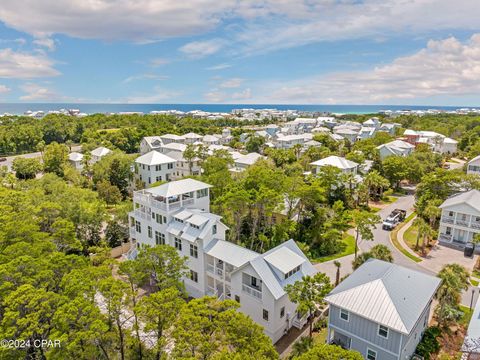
376, 183
338, 265
189, 154
432, 212
420, 224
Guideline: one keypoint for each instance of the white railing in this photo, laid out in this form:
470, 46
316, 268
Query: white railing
142, 214
475, 225
448, 220
445, 237
462, 223
251, 291
187, 202
158, 204
219, 272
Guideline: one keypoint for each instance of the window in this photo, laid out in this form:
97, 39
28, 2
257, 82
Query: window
194, 276
265, 315
178, 244
158, 178
448, 230
138, 227
159, 238
170, 166
193, 251
195, 226
153, 215
383, 331
450, 213
158, 167
293, 271
202, 193
282, 312
371, 355
344, 314
160, 219
237, 298
149, 231
214, 229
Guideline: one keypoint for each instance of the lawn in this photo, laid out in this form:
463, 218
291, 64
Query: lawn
394, 239
410, 238
321, 336
347, 247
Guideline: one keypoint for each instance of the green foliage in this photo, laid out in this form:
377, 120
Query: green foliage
114, 168
380, 252
329, 352
255, 144
55, 158
26, 168
429, 344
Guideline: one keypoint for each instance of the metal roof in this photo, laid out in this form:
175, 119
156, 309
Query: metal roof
198, 220
75, 156
229, 252
178, 187
336, 161
284, 259
471, 198
388, 294
100, 151
154, 158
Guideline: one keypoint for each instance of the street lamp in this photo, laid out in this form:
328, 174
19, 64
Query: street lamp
471, 300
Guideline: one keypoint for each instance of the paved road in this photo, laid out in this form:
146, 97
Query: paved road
8, 163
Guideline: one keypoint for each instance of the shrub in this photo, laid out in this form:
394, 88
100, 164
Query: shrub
429, 343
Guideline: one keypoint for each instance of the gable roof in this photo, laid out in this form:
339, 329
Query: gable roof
75, 156
385, 293
284, 259
178, 187
336, 161
248, 159
100, 151
229, 252
154, 158
471, 198
476, 158
267, 273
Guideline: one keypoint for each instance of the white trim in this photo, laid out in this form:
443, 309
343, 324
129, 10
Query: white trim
378, 331
345, 332
340, 315
366, 354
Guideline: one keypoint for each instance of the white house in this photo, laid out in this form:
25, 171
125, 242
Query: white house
183, 166
347, 132
473, 166
177, 214
98, 153
381, 310
210, 140
191, 138
438, 142
244, 161
154, 166
76, 160
395, 148
172, 138
150, 143
346, 166
460, 219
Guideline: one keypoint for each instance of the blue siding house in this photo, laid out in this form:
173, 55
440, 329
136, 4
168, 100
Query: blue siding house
381, 310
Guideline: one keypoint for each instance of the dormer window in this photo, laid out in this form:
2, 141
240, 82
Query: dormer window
179, 220
195, 226
293, 271
202, 193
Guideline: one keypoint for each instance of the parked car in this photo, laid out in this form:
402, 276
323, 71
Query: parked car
469, 249
3, 159
392, 220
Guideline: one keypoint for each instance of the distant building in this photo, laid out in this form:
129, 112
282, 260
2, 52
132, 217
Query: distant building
473, 166
150, 143
76, 160
346, 166
381, 310
438, 142
153, 167
460, 219
244, 161
98, 153
395, 148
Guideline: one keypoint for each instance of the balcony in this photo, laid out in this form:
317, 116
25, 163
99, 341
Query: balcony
461, 223
210, 268
142, 214
475, 225
252, 292
445, 237
448, 220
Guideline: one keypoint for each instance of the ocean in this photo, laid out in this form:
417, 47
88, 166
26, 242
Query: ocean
20, 108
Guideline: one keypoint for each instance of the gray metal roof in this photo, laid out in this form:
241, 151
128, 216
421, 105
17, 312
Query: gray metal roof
385, 293
154, 158
471, 198
229, 252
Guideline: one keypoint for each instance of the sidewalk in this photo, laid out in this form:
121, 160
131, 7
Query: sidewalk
400, 234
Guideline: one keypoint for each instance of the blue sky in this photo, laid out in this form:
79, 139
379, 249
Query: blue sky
230, 51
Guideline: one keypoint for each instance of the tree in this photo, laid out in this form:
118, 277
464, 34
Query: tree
380, 252
163, 265
64, 237
455, 279
109, 192
158, 311
26, 168
309, 293
364, 222
329, 352
338, 265
395, 169
208, 328
189, 155
116, 233
55, 157
421, 226
476, 240
376, 184
255, 144
114, 168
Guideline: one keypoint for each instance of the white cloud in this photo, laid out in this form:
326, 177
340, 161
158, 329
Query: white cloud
219, 67
245, 94
18, 41
158, 62
215, 96
443, 68
35, 92
232, 83
45, 42
145, 77
199, 49
158, 95
23, 65
4, 89
135, 20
